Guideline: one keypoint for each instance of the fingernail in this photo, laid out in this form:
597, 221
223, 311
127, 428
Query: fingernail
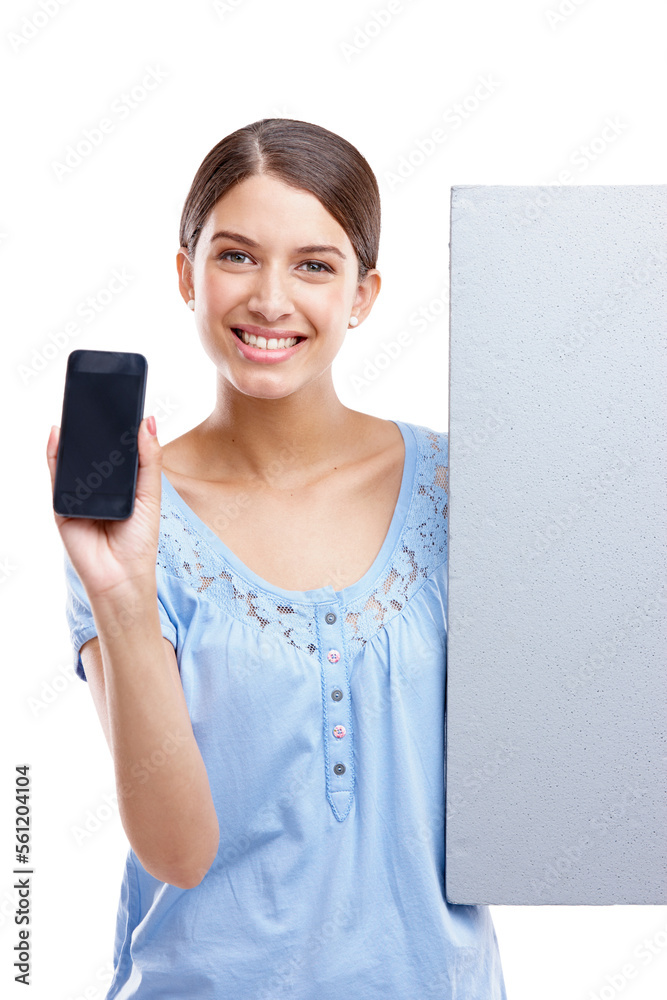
150, 424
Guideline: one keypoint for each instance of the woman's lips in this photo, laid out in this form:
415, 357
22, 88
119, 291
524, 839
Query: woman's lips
262, 331
264, 354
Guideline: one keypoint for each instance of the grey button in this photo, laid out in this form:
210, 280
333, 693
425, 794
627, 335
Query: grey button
336, 694
339, 768
330, 618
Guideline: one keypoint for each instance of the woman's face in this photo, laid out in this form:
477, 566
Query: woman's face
272, 262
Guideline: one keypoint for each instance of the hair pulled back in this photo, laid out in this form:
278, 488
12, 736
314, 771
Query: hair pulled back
304, 155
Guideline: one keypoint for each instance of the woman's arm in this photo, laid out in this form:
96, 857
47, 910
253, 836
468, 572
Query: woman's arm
164, 797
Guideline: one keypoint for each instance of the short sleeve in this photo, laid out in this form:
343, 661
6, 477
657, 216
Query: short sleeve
80, 616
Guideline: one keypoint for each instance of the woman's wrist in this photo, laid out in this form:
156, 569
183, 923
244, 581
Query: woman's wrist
120, 609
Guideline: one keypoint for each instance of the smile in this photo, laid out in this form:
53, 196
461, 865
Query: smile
272, 344
255, 347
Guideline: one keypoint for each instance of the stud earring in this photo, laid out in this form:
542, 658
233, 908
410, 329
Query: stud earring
353, 320
191, 304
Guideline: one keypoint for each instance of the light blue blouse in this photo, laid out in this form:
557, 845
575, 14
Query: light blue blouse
320, 716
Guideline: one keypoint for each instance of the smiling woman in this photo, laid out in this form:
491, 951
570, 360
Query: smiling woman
265, 637
259, 294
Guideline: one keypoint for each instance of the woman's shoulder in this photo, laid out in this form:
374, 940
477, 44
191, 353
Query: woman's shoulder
176, 453
436, 440
375, 428
432, 444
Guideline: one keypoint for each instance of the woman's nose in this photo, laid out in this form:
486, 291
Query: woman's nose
270, 295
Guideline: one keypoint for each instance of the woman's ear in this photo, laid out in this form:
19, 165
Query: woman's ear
367, 292
185, 275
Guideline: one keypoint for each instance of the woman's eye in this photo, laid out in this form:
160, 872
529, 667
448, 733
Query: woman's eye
321, 268
233, 255
238, 257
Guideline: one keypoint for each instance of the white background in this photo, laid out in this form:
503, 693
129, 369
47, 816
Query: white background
553, 82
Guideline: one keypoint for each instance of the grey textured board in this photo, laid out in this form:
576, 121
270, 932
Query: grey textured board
556, 752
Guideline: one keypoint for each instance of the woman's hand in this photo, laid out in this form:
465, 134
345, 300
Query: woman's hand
111, 554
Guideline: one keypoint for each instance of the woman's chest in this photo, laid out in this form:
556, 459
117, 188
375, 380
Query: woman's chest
304, 539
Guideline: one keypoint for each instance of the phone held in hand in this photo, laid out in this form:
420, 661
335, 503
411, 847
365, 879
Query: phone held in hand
96, 469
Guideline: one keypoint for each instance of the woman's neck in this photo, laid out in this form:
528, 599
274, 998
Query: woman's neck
281, 441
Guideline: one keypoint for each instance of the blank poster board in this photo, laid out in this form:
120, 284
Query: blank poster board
556, 748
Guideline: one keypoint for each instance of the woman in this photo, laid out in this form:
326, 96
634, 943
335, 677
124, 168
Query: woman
264, 638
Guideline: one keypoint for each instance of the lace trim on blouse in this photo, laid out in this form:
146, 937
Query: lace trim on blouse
420, 548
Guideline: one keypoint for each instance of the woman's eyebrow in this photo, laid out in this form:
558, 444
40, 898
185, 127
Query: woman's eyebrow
321, 248
225, 234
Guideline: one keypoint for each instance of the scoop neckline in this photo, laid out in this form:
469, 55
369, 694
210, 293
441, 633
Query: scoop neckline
325, 594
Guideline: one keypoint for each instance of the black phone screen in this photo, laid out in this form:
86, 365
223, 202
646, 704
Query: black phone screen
97, 453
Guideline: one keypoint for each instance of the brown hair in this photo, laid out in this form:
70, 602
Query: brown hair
304, 155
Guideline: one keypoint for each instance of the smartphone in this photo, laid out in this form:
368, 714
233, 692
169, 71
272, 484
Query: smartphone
97, 464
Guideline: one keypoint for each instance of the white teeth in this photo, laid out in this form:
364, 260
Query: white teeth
272, 345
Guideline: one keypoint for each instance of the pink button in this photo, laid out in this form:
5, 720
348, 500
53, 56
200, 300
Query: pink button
333, 656
339, 732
